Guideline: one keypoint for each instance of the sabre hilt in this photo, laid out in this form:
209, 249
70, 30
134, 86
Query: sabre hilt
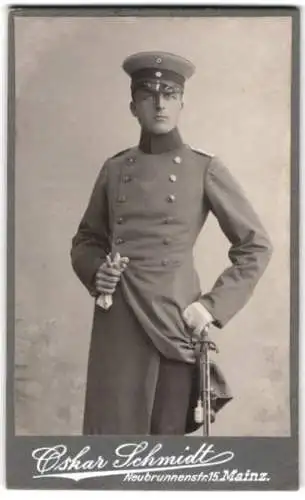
205, 341
203, 414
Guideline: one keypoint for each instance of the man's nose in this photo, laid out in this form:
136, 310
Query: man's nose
159, 101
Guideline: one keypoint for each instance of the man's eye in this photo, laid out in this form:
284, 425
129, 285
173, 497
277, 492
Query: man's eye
145, 96
171, 96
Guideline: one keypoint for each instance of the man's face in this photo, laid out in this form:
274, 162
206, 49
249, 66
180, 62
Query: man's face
157, 112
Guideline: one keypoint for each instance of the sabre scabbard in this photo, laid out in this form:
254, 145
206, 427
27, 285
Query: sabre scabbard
203, 412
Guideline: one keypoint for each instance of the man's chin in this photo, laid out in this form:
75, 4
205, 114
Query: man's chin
161, 128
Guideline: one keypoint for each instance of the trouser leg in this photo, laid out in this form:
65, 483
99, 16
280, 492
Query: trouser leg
172, 397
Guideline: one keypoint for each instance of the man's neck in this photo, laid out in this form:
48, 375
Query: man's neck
159, 143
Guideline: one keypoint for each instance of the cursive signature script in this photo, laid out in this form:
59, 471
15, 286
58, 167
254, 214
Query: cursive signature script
57, 461
131, 455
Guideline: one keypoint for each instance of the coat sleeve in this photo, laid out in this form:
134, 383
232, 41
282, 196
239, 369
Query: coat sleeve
250, 249
90, 244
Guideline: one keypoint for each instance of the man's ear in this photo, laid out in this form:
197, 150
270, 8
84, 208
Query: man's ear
132, 108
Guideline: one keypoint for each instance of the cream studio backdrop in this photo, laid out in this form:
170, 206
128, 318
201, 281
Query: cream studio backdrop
72, 112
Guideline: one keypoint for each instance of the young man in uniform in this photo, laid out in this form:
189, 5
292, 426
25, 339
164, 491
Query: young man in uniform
149, 204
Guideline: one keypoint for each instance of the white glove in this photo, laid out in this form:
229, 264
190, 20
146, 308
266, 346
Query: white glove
197, 317
107, 278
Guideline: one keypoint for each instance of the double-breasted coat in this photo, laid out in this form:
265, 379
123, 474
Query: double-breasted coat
151, 208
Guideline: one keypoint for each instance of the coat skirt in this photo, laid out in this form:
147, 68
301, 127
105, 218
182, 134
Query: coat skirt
123, 393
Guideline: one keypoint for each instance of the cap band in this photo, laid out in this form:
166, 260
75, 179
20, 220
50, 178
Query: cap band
156, 86
158, 74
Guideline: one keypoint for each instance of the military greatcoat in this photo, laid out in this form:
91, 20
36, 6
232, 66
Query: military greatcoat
151, 208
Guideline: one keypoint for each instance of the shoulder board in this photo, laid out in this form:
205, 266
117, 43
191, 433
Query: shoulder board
201, 152
120, 153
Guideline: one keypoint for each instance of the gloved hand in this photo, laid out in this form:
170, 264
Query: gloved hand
197, 317
109, 273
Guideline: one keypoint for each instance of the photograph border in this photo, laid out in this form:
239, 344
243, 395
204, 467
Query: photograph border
276, 455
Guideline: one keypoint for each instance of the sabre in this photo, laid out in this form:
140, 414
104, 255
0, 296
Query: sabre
202, 412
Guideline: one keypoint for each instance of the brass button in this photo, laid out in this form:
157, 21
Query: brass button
119, 241
177, 159
127, 178
166, 241
173, 178
122, 199
130, 160
120, 220
171, 198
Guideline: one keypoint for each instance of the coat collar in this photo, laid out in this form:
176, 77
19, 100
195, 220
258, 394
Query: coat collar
160, 143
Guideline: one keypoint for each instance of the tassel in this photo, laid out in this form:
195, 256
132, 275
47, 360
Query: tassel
198, 412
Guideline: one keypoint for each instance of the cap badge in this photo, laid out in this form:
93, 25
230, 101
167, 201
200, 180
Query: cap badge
158, 74
158, 60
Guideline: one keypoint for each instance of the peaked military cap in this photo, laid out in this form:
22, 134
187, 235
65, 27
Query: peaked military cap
158, 71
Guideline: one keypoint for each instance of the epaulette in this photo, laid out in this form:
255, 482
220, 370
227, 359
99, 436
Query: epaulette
201, 152
120, 153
